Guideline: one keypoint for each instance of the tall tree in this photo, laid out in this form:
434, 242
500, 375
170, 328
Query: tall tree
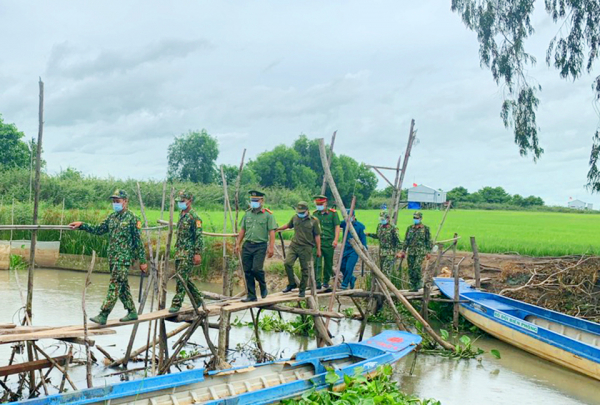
502, 27
192, 157
14, 151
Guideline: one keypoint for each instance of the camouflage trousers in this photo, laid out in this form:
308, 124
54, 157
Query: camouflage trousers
387, 264
184, 269
118, 287
414, 270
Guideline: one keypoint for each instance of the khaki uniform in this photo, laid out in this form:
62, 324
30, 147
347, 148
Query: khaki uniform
303, 242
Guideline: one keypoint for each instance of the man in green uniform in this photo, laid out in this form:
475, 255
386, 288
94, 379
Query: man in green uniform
389, 243
257, 228
418, 244
188, 250
330, 233
125, 246
307, 236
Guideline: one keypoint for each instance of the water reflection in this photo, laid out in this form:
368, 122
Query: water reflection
517, 378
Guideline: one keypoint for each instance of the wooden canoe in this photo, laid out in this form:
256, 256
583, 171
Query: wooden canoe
566, 340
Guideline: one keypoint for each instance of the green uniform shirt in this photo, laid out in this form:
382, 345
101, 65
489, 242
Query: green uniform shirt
328, 219
258, 224
125, 244
417, 240
305, 230
389, 240
189, 236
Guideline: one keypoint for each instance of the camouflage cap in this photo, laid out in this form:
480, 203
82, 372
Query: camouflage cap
118, 193
418, 214
184, 195
302, 206
256, 194
384, 214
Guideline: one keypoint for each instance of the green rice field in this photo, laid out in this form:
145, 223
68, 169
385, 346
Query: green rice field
522, 232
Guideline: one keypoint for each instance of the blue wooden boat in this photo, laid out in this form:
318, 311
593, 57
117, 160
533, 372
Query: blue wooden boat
259, 384
562, 339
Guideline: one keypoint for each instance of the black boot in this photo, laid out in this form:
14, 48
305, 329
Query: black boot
288, 288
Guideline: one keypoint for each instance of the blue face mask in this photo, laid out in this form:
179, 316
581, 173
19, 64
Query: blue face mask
118, 207
416, 221
320, 207
383, 221
302, 215
254, 204
182, 205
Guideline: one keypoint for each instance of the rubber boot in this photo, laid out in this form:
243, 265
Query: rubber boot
101, 318
174, 308
131, 316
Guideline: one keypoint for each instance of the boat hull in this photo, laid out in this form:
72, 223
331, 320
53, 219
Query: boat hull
532, 345
571, 342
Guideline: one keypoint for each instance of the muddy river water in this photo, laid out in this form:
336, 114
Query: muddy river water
516, 378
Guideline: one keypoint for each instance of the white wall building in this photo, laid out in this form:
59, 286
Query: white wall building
577, 205
424, 194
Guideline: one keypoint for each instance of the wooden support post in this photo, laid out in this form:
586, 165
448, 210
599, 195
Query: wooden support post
437, 234
36, 198
64, 377
411, 138
392, 306
225, 272
476, 264
329, 159
323, 337
456, 305
164, 350
338, 266
56, 365
364, 255
88, 353
223, 332
430, 270
237, 192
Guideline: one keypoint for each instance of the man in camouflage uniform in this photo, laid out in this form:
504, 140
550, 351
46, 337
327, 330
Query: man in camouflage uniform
418, 244
389, 244
188, 250
257, 229
330, 233
307, 236
125, 246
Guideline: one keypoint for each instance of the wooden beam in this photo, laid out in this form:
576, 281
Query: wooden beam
381, 167
31, 366
383, 176
302, 311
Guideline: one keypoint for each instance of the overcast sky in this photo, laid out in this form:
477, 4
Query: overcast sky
123, 79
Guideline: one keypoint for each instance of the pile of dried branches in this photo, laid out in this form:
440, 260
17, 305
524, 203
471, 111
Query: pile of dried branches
569, 284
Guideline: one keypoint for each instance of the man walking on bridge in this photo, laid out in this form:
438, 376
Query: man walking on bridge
125, 246
418, 244
188, 250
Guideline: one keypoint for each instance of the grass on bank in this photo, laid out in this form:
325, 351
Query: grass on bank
522, 232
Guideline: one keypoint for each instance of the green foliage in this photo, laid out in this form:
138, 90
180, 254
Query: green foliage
496, 353
14, 151
17, 263
463, 346
493, 196
299, 325
192, 158
502, 29
359, 389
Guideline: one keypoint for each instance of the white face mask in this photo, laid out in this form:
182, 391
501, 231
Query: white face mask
182, 205
254, 204
320, 207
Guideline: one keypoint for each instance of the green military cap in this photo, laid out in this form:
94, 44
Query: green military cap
302, 205
184, 195
384, 214
118, 193
256, 194
418, 214
320, 197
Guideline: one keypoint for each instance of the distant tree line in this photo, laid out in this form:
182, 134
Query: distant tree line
287, 173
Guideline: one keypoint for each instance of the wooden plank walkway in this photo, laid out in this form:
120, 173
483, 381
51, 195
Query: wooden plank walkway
11, 333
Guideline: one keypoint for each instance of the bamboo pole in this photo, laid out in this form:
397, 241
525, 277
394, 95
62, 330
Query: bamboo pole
364, 255
56, 365
476, 264
338, 266
411, 138
456, 306
164, 350
224, 268
36, 201
88, 353
427, 281
329, 160
323, 336
437, 234
62, 219
237, 191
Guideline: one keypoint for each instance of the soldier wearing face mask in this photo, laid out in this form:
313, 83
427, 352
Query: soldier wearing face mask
330, 233
418, 244
307, 236
389, 243
125, 246
257, 229
188, 250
